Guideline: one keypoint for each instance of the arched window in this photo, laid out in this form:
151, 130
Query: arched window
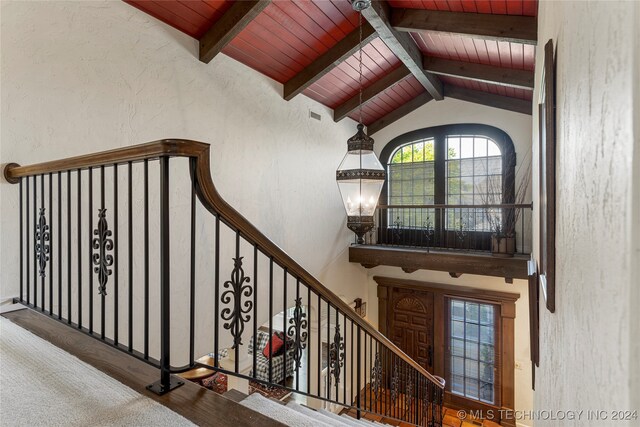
461, 166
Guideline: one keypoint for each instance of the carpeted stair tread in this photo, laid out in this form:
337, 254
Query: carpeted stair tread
315, 414
279, 412
360, 421
349, 421
367, 418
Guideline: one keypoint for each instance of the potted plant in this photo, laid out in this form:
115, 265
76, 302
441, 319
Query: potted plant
503, 221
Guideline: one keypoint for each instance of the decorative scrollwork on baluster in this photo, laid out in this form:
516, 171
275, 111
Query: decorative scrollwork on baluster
336, 355
395, 383
376, 376
237, 316
102, 243
408, 397
298, 332
41, 246
428, 231
462, 229
426, 403
397, 227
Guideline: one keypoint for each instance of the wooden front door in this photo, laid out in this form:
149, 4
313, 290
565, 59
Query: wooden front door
410, 324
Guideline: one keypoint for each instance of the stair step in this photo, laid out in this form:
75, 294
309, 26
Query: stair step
235, 395
349, 422
280, 412
314, 414
361, 421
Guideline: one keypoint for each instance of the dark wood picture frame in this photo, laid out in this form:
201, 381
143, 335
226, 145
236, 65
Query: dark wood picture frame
547, 174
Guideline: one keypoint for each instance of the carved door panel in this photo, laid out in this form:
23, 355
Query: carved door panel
411, 324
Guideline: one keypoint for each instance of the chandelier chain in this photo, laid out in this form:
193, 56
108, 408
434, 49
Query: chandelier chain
360, 70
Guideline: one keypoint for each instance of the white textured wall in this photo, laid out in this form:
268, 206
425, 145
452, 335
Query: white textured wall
81, 77
518, 127
586, 358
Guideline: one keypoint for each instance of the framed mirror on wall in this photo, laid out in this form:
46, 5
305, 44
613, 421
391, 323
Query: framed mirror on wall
547, 174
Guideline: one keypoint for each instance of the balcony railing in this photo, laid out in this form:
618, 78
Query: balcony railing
457, 228
136, 248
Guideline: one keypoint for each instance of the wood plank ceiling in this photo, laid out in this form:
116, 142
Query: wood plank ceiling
414, 51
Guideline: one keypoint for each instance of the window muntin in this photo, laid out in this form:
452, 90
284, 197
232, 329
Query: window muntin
411, 181
472, 339
473, 177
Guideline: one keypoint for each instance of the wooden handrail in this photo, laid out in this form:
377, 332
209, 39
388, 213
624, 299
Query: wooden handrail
211, 199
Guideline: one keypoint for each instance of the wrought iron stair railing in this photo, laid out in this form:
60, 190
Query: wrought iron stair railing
137, 263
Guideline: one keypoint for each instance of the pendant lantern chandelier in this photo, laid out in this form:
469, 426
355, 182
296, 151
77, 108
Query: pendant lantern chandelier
360, 175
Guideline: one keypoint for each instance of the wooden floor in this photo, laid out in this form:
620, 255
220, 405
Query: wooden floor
197, 404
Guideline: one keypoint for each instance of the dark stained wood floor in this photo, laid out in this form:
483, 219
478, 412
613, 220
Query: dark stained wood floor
197, 404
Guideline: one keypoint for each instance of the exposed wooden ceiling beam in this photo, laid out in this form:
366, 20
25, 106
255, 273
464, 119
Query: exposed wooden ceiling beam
370, 92
522, 79
399, 112
498, 101
402, 45
511, 28
327, 61
234, 20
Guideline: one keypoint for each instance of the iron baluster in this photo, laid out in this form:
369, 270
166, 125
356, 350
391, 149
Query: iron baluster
130, 250
59, 246
428, 231
395, 382
309, 345
255, 307
102, 259
41, 244
376, 376
270, 317
51, 251
192, 265
21, 243
320, 350
284, 314
79, 227
27, 221
408, 393
68, 247
344, 387
397, 229
298, 332
358, 379
35, 227
216, 299
146, 258
236, 289
42, 276
166, 382
116, 297
90, 247
336, 355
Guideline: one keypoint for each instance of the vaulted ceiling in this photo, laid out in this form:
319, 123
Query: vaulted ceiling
414, 51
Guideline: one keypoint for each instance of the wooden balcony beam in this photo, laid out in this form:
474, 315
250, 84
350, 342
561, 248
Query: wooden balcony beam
410, 259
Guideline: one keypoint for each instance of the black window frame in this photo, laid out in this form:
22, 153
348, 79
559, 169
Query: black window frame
475, 240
